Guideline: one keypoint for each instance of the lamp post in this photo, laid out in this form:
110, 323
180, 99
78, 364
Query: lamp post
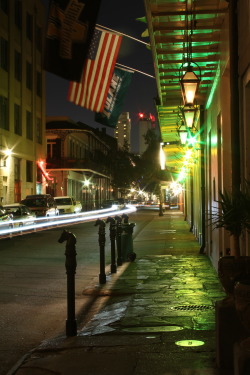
86, 188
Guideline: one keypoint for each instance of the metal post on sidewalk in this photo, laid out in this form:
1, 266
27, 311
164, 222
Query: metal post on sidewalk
125, 218
127, 251
70, 265
102, 240
112, 230
161, 210
119, 239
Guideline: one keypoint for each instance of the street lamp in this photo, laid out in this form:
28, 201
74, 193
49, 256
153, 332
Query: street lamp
86, 184
7, 152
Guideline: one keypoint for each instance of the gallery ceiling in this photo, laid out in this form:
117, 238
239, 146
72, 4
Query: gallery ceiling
180, 31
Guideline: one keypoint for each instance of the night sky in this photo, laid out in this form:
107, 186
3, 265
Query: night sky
121, 16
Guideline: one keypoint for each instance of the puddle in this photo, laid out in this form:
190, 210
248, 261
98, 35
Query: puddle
153, 329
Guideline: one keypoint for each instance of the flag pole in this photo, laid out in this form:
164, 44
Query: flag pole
135, 70
128, 36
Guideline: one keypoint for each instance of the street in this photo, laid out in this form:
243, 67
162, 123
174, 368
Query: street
33, 284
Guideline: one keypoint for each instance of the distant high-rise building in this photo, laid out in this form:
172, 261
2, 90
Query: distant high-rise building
123, 129
146, 122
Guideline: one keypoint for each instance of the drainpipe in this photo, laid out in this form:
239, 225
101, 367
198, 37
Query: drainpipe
203, 202
234, 88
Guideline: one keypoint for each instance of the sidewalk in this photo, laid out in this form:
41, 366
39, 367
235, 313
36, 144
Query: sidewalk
144, 314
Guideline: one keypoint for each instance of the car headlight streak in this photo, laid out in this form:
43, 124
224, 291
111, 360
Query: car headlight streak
64, 219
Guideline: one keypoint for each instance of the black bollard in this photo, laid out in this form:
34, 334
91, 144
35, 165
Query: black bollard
119, 239
125, 218
102, 240
70, 265
112, 230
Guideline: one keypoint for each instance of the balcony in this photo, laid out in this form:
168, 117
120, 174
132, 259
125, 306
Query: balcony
77, 164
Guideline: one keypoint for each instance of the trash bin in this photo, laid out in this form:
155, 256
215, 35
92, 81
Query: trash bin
127, 241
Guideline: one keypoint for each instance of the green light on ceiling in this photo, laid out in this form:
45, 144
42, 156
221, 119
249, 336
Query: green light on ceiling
189, 343
215, 84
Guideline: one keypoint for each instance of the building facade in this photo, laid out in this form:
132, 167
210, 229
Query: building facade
77, 162
213, 38
144, 124
22, 99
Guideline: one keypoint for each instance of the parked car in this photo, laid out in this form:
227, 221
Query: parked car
41, 204
110, 203
68, 205
20, 213
107, 203
6, 220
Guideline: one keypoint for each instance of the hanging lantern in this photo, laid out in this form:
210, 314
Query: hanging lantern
190, 115
183, 133
189, 85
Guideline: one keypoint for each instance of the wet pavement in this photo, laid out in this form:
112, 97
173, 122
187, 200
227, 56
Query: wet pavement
156, 315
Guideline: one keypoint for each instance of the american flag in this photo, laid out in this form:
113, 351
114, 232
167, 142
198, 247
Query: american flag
92, 91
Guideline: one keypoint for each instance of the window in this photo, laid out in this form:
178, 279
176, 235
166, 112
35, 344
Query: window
18, 14
18, 68
38, 38
17, 119
4, 5
39, 84
28, 76
29, 28
4, 118
4, 54
39, 130
29, 171
29, 127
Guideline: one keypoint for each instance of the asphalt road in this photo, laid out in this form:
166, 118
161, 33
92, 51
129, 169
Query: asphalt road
33, 282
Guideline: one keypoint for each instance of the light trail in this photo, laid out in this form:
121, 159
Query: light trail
61, 220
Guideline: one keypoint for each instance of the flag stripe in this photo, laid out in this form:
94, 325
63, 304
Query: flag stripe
104, 67
92, 91
109, 66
